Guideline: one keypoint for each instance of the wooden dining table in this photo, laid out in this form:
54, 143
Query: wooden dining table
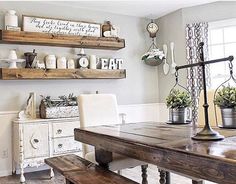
167, 146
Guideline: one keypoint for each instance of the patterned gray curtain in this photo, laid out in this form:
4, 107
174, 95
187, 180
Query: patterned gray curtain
196, 33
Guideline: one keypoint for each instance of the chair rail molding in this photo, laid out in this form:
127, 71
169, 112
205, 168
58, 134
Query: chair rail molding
2, 113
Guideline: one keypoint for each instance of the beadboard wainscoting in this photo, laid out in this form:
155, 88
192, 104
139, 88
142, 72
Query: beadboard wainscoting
134, 113
6, 118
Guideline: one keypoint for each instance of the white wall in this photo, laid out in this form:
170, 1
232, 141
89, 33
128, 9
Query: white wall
6, 142
140, 86
172, 28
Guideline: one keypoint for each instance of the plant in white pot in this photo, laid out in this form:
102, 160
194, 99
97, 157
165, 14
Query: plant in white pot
178, 102
225, 99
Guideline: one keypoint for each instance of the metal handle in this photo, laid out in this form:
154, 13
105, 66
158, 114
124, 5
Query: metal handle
79, 150
60, 145
36, 141
59, 131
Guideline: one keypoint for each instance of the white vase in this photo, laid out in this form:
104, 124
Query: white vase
61, 63
11, 18
51, 62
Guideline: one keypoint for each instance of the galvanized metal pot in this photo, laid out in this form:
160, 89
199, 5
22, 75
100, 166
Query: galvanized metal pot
178, 115
228, 117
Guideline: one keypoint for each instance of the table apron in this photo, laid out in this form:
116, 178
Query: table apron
196, 166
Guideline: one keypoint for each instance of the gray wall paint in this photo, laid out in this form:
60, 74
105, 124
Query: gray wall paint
172, 28
141, 83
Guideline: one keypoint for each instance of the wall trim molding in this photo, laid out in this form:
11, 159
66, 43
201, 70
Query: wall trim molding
128, 105
5, 173
2, 113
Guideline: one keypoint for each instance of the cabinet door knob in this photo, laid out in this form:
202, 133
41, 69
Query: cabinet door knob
59, 131
36, 141
60, 145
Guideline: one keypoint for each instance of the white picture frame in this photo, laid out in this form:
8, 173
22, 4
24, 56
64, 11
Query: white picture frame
60, 26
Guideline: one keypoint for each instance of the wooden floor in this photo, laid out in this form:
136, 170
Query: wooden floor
42, 177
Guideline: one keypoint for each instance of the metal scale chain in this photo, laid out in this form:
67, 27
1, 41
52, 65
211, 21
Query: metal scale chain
231, 77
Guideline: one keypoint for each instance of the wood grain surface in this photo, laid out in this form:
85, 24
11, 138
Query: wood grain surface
79, 171
32, 38
29, 73
170, 147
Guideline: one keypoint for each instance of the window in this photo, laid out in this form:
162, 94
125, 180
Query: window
222, 43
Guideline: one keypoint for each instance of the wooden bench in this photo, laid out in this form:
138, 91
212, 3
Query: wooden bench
77, 170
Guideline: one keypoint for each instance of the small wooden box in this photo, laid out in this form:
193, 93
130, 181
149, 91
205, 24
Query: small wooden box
58, 112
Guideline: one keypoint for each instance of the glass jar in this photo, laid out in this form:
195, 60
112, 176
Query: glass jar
71, 64
51, 62
61, 63
11, 18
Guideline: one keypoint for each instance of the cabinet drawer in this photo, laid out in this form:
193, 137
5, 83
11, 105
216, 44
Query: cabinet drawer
68, 144
36, 140
64, 129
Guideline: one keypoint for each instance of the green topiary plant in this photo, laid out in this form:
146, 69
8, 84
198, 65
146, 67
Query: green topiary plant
226, 97
178, 99
62, 101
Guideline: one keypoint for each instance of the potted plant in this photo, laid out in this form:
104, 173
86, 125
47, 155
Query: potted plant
62, 107
226, 100
153, 57
178, 102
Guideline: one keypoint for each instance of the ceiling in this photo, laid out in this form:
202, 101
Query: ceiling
138, 8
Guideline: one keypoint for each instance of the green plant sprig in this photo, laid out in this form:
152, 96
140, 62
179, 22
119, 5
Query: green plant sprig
178, 99
226, 97
62, 101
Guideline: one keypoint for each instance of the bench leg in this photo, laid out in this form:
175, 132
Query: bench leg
103, 157
68, 182
198, 182
164, 177
144, 174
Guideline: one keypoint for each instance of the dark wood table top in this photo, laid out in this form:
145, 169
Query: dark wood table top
169, 147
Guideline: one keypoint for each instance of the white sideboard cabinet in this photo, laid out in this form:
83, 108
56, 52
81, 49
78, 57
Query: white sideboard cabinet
37, 139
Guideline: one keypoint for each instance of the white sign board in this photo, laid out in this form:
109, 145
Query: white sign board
57, 26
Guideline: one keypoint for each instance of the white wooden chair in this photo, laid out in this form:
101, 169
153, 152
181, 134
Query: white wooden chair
101, 109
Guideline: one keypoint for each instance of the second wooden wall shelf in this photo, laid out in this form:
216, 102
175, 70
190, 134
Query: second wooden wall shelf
23, 73
31, 38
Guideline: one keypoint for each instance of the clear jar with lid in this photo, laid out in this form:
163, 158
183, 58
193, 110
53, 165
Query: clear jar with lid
11, 19
50, 61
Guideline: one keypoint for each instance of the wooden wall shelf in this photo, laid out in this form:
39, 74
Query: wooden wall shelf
31, 38
33, 74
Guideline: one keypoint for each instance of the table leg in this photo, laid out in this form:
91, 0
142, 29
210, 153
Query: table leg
164, 177
198, 182
68, 182
144, 174
103, 157
167, 177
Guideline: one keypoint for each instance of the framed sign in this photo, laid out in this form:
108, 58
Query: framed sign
60, 26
